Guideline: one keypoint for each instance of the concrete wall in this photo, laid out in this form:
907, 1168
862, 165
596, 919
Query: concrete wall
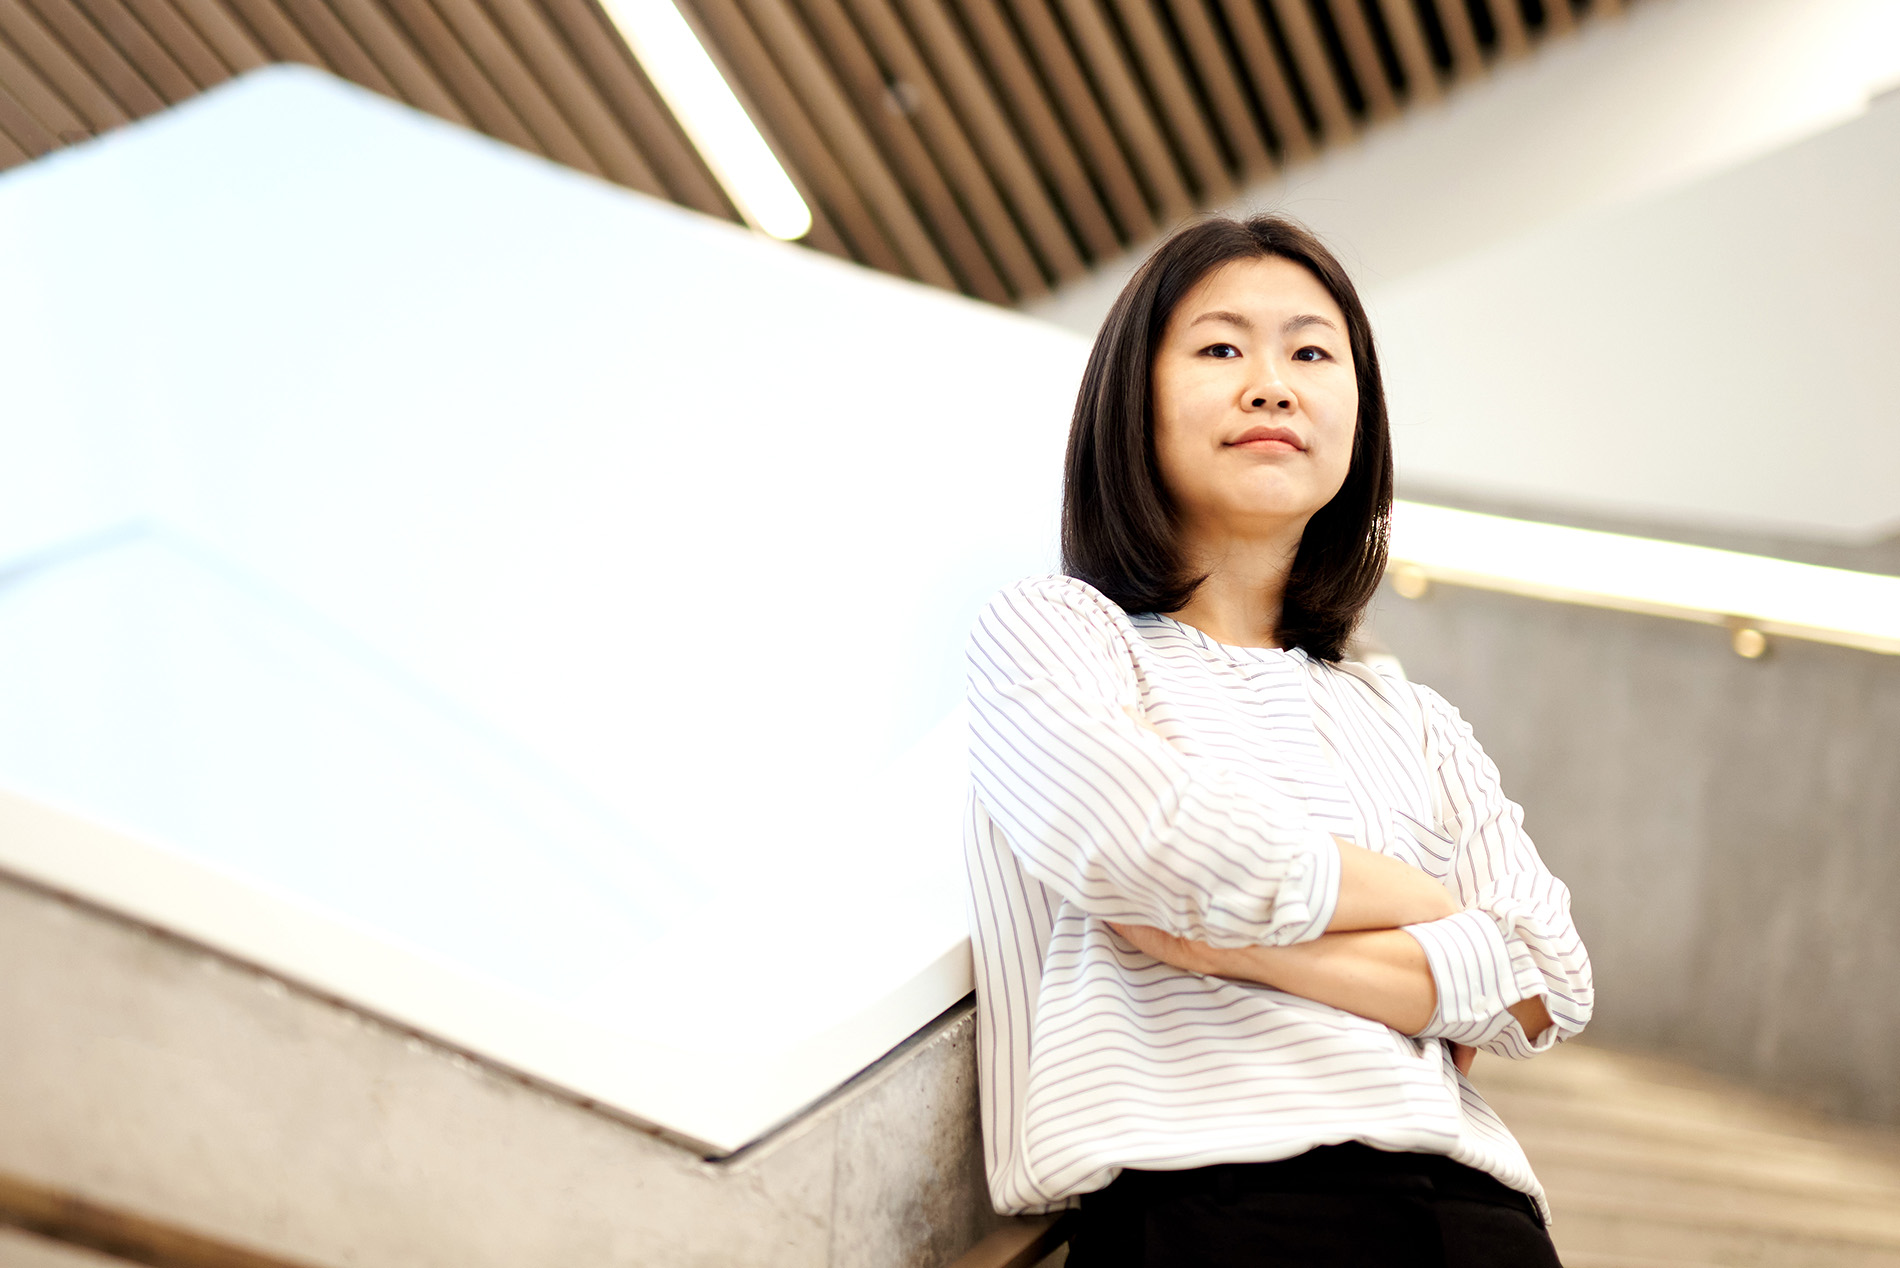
1730, 829
143, 1073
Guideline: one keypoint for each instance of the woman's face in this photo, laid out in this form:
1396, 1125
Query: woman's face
1255, 402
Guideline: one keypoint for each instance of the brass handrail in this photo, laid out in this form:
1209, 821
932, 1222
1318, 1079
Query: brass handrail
66, 1217
1753, 596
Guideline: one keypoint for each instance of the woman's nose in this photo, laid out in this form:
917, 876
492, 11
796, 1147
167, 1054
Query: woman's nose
1271, 394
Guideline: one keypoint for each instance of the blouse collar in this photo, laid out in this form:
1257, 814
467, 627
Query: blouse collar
1230, 651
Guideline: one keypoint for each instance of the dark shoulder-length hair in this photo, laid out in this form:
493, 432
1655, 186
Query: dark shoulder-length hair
1118, 524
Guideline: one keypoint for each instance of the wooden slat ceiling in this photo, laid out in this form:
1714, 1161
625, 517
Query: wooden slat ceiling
996, 147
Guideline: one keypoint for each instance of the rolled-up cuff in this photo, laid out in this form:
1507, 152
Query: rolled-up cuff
1308, 894
1477, 980
1529, 978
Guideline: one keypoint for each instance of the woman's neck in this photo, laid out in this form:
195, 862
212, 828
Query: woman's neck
1239, 601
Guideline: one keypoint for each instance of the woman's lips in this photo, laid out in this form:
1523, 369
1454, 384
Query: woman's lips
1264, 439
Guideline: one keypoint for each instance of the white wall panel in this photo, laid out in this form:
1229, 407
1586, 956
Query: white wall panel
1722, 354
508, 577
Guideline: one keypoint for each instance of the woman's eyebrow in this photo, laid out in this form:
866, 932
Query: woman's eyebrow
1232, 319
1241, 320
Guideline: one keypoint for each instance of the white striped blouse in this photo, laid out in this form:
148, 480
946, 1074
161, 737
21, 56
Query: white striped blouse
1132, 769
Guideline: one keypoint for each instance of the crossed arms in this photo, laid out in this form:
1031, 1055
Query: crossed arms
1365, 962
1222, 869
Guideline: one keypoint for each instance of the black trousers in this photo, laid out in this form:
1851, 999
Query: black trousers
1338, 1206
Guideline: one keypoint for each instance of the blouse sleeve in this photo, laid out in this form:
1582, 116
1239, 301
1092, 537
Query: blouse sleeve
1515, 938
1106, 812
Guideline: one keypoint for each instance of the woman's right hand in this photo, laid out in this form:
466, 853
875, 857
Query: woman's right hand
1379, 892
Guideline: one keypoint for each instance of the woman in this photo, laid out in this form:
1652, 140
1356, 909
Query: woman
1244, 908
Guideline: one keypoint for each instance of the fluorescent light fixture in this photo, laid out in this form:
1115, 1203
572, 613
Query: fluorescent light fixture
1641, 574
718, 125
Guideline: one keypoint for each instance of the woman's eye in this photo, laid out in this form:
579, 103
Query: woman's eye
1222, 350
1311, 353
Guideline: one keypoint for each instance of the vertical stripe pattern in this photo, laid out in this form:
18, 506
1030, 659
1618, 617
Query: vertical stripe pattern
1131, 769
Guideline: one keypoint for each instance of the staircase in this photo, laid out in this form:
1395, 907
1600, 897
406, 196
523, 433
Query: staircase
1653, 1165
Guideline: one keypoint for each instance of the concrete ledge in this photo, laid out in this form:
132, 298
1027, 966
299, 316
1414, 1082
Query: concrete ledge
149, 1075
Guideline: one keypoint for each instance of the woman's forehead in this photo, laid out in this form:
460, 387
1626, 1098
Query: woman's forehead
1270, 286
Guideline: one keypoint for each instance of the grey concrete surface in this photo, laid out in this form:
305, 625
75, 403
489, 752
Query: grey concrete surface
1730, 829
145, 1073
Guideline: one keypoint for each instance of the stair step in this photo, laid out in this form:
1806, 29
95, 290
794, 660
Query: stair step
1712, 1208
1787, 1171
1652, 1165
1585, 1236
